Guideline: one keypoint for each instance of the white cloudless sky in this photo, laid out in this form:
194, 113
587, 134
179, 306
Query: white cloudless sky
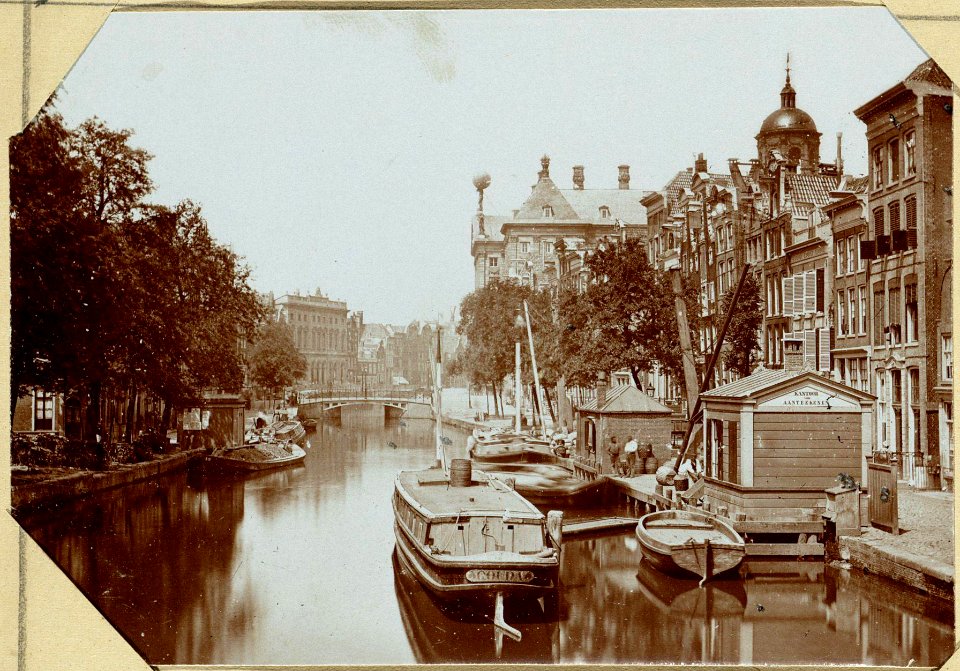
336, 150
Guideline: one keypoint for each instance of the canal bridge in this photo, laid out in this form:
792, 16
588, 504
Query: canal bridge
326, 403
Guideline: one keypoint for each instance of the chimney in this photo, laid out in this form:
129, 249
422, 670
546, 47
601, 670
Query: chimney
700, 165
839, 154
624, 178
578, 177
601, 390
545, 167
793, 354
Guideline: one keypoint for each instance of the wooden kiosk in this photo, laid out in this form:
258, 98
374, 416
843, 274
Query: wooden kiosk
774, 442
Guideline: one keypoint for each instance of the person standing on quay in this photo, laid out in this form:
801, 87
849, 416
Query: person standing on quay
630, 450
613, 449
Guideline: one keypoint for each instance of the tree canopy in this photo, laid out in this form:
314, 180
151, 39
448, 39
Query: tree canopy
741, 350
110, 291
275, 362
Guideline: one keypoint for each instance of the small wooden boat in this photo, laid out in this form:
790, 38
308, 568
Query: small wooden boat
684, 542
308, 423
288, 429
469, 534
257, 456
517, 452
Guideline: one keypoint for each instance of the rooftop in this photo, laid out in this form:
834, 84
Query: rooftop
627, 399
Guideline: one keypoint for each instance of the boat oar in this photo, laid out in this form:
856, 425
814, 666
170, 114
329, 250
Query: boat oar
498, 621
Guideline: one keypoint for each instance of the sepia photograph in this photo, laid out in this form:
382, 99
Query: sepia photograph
585, 336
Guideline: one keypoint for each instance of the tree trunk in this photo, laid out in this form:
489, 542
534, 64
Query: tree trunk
128, 420
95, 391
535, 405
553, 417
165, 417
635, 373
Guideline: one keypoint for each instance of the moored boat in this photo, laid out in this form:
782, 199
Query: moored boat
680, 542
470, 534
257, 456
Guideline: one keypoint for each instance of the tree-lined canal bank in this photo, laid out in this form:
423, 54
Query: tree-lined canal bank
296, 567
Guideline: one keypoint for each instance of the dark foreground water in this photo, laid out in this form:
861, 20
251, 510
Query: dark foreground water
296, 567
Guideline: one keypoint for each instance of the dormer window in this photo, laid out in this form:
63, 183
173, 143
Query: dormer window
604, 212
547, 212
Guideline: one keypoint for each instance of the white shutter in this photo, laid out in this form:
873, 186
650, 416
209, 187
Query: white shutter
788, 296
824, 363
810, 291
797, 294
810, 349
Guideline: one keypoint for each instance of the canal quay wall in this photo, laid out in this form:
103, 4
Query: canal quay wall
30, 496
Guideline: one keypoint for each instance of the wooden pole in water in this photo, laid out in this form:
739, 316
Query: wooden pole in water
499, 622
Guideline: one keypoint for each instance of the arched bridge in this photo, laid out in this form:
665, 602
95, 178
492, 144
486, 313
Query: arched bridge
317, 403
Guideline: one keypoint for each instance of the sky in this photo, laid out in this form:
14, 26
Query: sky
336, 150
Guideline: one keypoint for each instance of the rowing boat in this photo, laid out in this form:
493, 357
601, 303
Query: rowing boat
680, 542
257, 456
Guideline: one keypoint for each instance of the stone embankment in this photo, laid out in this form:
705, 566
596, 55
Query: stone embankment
29, 496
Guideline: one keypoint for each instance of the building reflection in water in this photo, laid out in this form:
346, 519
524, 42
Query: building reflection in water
295, 567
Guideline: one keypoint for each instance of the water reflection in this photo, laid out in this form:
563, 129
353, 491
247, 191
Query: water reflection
295, 567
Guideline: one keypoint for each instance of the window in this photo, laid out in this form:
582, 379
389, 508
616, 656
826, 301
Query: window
894, 217
862, 291
893, 160
877, 175
852, 252
604, 212
861, 263
42, 411
841, 256
864, 378
841, 313
547, 211
909, 154
524, 247
878, 222
852, 310
546, 247
895, 333
913, 321
946, 356
878, 321
913, 378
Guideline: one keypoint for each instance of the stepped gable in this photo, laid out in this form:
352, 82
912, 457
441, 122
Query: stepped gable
624, 204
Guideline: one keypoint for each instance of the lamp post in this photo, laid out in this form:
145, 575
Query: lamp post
518, 388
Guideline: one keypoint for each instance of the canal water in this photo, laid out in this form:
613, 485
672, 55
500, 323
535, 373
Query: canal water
297, 567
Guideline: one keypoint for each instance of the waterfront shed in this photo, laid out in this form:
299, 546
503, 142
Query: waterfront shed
623, 410
775, 440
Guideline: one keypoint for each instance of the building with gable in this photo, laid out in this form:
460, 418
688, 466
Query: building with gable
554, 228
909, 255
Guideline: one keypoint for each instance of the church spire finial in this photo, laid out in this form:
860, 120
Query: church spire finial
788, 67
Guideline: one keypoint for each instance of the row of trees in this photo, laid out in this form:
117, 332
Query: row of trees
625, 319
113, 295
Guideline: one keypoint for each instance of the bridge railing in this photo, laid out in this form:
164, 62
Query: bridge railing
311, 395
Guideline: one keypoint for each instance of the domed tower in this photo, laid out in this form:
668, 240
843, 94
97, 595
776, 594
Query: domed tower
791, 133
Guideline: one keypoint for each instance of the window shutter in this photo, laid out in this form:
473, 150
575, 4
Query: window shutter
894, 217
797, 294
911, 212
809, 291
824, 363
810, 349
818, 276
787, 296
878, 222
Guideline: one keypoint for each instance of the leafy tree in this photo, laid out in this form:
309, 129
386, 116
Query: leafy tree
274, 360
741, 351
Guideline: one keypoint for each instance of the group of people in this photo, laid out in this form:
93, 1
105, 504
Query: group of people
562, 441
624, 460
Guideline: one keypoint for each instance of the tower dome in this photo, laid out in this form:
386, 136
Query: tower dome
791, 131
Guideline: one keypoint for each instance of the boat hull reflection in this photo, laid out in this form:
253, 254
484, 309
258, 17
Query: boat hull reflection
462, 631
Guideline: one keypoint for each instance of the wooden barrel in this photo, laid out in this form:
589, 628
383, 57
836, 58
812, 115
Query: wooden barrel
650, 465
461, 472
